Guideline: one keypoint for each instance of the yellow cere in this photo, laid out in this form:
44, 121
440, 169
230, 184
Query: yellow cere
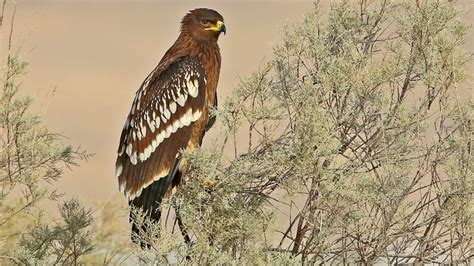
217, 27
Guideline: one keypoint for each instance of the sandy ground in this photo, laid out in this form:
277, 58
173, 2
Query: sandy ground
96, 53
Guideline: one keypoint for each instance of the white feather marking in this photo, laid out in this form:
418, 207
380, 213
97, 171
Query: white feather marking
167, 113
151, 125
118, 170
159, 138
168, 131
122, 187
122, 149
173, 129
176, 125
129, 149
180, 123
141, 156
196, 115
133, 158
181, 100
187, 117
173, 107
143, 130
147, 152
163, 119
139, 134
192, 89
154, 144
147, 81
150, 150
173, 95
155, 177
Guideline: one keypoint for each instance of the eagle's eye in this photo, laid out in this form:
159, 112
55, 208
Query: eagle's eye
206, 22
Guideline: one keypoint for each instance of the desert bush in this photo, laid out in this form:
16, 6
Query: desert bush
32, 159
359, 147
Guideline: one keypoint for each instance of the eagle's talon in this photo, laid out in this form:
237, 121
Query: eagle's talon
209, 184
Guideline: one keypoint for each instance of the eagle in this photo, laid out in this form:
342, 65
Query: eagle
170, 113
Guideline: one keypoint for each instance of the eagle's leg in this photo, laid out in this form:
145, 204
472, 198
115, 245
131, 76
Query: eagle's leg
182, 228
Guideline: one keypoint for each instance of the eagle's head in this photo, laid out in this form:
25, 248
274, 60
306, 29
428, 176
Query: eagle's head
203, 24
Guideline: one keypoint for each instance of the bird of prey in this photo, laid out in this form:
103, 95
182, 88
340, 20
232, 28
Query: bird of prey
170, 113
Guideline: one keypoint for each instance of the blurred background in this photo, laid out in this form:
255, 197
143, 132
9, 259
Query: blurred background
87, 58
93, 55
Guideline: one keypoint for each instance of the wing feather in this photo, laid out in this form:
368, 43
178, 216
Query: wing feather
160, 124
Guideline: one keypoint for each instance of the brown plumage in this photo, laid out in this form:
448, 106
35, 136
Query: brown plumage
170, 112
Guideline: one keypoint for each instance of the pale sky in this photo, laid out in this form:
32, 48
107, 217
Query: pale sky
96, 54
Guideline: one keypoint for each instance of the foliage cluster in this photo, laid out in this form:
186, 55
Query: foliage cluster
32, 158
358, 150
359, 146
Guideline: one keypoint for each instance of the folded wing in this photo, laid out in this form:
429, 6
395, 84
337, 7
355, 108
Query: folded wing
160, 124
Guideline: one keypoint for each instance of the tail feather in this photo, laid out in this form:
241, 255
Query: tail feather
150, 200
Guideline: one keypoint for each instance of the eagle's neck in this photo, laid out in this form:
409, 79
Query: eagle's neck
210, 56
205, 49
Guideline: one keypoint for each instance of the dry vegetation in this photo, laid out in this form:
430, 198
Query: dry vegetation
359, 151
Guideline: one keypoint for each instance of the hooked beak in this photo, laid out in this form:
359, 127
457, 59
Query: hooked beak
219, 27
